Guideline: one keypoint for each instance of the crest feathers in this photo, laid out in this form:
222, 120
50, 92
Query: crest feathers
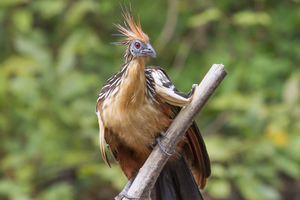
132, 30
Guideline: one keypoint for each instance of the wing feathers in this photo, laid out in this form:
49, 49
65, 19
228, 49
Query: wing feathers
201, 163
171, 97
102, 139
167, 91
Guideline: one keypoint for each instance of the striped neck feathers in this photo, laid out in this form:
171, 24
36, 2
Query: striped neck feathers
133, 82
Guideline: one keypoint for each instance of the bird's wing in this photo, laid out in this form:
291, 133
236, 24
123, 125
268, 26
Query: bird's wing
166, 91
200, 159
101, 134
200, 162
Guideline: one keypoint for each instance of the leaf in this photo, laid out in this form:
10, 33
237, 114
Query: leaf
70, 86
219, 171
80, 42
78, 10
211, 14
49, 8
58, 191
291, 90
219, 152
12, 2
22, 20
219, 189
25, 173
249, 18
278, 137
287, 165
268, 192
235, 101
14, 189
19, 65
30, 47
251, 188
293, 147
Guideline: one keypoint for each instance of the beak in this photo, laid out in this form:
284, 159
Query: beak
149, 51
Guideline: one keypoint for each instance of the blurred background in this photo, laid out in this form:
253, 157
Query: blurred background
55, 55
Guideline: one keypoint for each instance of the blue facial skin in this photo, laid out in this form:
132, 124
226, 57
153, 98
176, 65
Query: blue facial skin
138, 48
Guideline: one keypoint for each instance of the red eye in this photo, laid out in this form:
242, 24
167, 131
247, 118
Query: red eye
137, 45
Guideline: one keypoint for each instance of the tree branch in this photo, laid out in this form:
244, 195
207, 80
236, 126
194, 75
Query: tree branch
149, 173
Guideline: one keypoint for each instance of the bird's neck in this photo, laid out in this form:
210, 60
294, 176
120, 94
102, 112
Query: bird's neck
133, 82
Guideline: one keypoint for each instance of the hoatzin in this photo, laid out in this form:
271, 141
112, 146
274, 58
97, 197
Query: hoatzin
135, 107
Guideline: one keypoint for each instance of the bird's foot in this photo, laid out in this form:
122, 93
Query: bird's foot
125, 190
154, 143
160, 145
163, 134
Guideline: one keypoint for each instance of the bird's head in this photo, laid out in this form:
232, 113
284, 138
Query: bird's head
137, 42
138, 48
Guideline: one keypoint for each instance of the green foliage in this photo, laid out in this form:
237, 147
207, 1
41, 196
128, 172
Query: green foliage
211, 14
56, 55
247, 18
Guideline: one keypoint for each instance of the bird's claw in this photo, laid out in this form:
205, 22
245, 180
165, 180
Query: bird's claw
161, 147
163, 134
152, 145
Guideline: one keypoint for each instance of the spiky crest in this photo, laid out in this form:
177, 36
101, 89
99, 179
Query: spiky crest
133, 32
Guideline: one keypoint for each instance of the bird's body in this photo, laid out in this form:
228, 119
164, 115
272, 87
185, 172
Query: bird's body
139, 103
131, 115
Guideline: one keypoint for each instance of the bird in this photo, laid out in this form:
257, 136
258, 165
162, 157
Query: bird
135, 107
